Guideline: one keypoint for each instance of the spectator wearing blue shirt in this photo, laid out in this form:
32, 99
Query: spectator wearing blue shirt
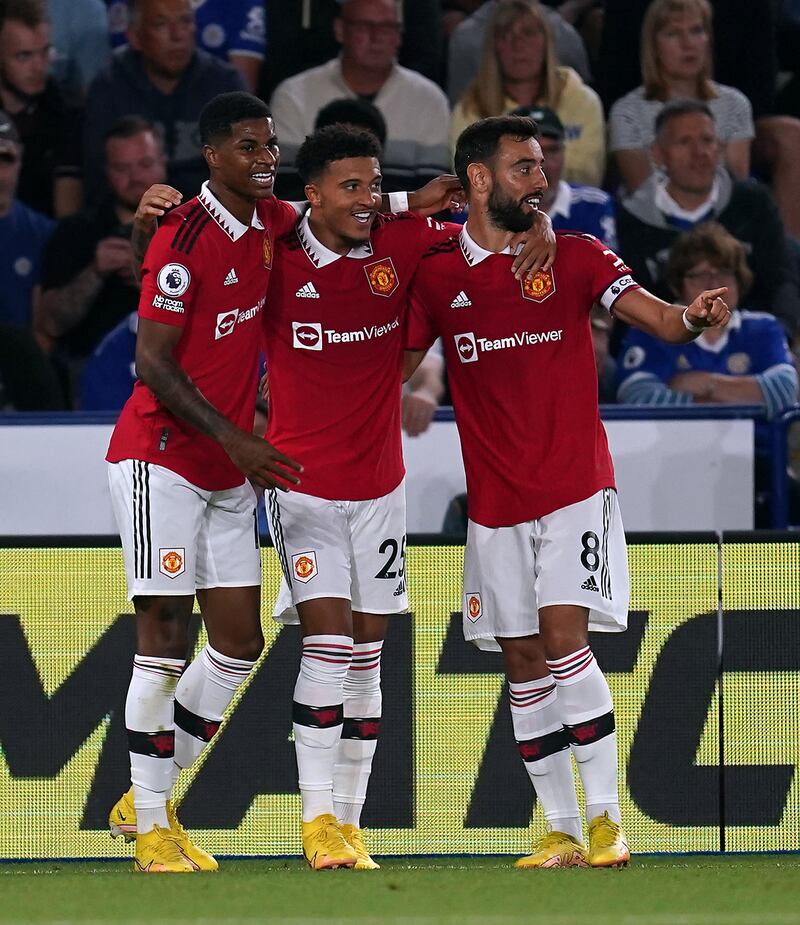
571, 206
233, 30
107, 379
746, 363
24, 234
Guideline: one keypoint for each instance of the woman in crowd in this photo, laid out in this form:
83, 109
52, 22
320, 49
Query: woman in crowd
519, 67
677, 63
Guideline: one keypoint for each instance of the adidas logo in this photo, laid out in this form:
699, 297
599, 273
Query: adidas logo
462, 300
307, 292
590, 584
400, 589
231, 278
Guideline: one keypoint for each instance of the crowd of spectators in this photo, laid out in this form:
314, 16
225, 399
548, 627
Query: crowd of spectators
686, 162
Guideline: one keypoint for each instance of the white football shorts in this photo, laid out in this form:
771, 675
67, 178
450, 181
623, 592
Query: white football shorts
349, 549
178, 538
575, 555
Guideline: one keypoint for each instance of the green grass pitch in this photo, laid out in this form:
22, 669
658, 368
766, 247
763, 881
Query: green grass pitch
731, 890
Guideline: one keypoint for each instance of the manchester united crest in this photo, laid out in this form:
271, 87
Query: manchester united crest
538, 286
474, 606
171, 562
267, 252
382, 277
304, 566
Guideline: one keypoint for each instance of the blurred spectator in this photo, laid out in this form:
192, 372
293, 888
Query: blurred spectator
694, 188
676, 63
519, 67
27, 380
744, 49
423, 392
301, 36
88, 281
107, 378
469, 38
80, 42
571, 206
24, 234
48, 126
746, 363
602, 323
164, 77
415, 109
233, 30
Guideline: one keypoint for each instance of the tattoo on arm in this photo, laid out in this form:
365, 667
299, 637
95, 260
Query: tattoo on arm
178, 393
65, 307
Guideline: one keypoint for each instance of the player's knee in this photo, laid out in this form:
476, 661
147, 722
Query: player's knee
523, 662
559, 641
247, 647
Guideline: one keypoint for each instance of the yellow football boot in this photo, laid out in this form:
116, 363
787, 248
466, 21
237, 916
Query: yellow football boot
355, 838
555, 849
122, 818
201, 859
122, 821
158, 852
607, 845
324, 846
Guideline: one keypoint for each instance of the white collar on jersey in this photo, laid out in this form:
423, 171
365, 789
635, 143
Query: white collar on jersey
474, 253
320, 255
231, 225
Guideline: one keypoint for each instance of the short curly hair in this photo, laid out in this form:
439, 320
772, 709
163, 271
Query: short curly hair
333, 143
711, 242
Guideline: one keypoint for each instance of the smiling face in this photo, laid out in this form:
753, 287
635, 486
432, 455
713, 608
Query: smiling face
516, 183
245, 163
345, 198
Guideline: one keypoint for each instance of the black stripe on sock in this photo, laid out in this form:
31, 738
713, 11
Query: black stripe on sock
543, 746
591, 731
364, 729
155, 744
317, 717
197, 726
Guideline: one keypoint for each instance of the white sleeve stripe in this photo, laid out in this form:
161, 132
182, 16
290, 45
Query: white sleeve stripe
615, 290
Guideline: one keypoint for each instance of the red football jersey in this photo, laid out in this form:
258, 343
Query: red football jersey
334, 344
207, 273
521, 367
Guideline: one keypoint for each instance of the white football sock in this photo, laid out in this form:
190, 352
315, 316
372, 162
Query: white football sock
151, 738
586, 709
544, 748
362, 718
317, 714
201, 698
